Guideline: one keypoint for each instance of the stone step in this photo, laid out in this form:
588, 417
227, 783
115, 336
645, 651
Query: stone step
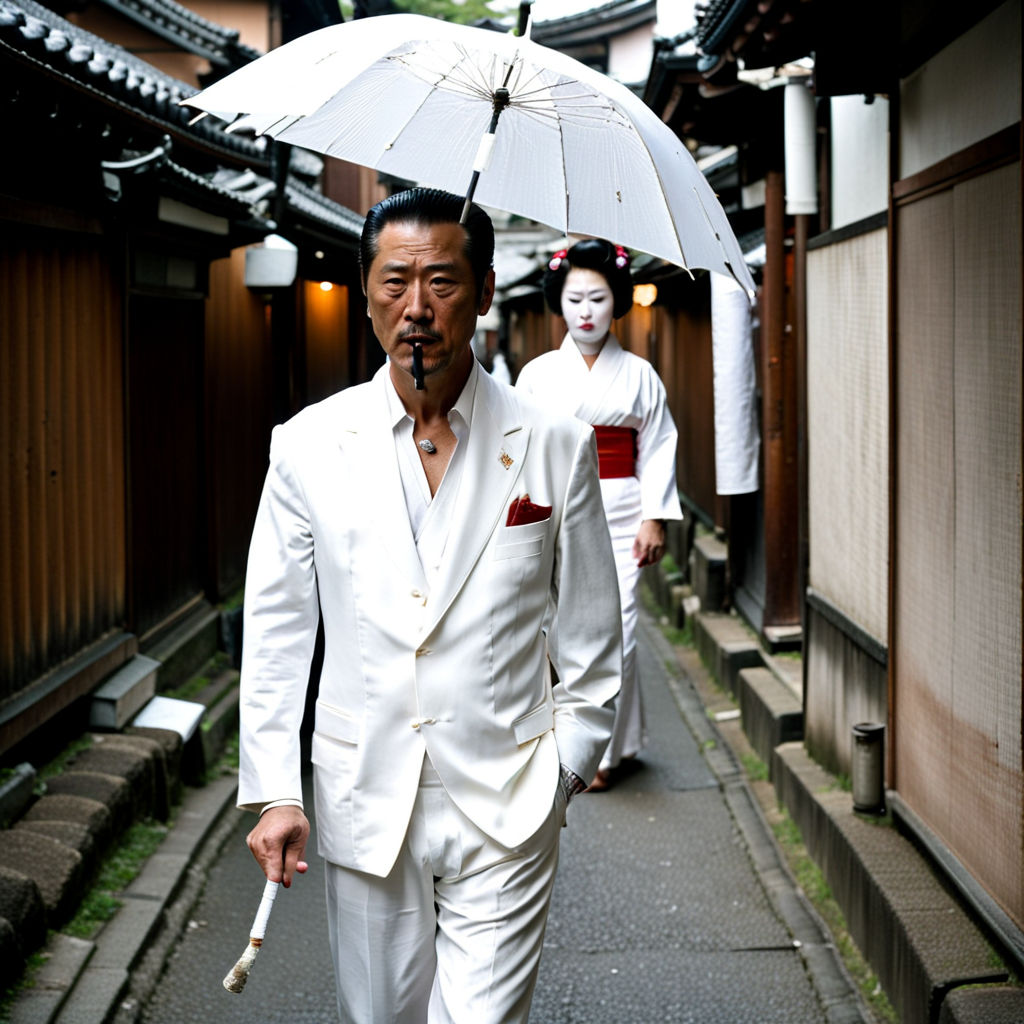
707, 571
120, 698
918, 939
727, 646
771, 713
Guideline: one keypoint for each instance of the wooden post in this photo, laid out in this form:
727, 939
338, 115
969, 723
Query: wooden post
781, 464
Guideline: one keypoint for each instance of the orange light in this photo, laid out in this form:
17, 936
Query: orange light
644, 294
326, 286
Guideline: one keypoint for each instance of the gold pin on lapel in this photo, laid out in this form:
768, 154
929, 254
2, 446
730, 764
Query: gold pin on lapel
506, 459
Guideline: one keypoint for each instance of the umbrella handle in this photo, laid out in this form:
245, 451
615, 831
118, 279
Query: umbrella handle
483, 154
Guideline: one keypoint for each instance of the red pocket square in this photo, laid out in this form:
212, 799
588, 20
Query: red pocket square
523, 511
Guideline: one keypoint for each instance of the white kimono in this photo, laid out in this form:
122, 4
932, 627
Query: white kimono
620, 390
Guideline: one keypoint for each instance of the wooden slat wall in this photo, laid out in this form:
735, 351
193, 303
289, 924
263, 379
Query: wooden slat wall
239, 403
61, 435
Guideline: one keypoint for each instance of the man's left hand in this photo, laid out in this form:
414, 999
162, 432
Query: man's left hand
649, 545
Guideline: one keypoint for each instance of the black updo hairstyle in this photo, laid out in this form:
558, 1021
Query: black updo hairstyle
591, 254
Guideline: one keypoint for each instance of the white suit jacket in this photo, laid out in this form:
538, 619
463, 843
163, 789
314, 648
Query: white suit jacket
458, 671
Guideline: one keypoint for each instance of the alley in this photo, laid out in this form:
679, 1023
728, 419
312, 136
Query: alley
659, 914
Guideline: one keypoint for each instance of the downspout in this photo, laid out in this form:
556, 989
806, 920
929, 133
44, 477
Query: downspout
801, 204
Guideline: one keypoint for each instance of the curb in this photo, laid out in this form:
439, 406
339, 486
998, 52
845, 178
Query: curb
839, 996
109, 977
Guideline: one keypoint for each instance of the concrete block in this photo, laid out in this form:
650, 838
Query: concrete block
726, 646
180, 716
188, 647
222, 720
95, 997
126, 935
771, 713
65, 959
707, 571
919, 941
120, 698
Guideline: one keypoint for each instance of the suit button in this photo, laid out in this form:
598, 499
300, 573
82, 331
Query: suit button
414, 724
423, 650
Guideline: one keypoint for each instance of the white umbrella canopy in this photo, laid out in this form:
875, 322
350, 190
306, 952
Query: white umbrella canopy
414, 96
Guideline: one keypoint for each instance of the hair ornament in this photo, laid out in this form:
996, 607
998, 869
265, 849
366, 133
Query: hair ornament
556, 261
621, 257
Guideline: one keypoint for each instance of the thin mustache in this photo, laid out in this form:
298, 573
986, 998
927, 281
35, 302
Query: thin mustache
419, 332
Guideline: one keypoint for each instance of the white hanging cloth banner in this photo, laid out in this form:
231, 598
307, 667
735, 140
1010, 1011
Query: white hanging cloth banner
737, 440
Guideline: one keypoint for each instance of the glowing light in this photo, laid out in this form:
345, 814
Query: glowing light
326, 286
644, 294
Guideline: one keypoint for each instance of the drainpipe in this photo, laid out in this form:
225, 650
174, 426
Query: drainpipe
801, 204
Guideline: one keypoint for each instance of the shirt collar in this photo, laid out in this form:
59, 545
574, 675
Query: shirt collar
463, 404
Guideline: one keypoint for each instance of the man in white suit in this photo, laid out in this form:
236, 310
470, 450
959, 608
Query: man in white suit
434, 518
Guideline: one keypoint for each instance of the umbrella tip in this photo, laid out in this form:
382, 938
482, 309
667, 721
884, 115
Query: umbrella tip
525, 19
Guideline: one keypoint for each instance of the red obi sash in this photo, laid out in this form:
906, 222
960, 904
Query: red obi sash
616, 451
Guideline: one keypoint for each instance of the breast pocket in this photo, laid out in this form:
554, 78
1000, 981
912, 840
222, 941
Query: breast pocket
520, 541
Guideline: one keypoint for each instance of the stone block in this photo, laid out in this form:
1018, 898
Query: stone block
70, 833
117, 700
917, 938
113, 791
173, 747
159, 784
22, 905
707, 571
130, 763
771, 713
55, 868
90, 813
726, 646
996, 1005
10, 955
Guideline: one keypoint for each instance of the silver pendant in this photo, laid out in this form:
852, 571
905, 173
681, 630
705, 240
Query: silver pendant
427, 446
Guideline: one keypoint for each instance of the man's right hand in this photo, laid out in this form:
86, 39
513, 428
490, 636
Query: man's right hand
278, 842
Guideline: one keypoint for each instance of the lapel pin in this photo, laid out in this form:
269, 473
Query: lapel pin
506, 459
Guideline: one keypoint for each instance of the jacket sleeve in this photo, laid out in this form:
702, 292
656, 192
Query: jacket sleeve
585, 638
281, 614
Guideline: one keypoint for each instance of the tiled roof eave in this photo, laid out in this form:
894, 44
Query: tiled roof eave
37, 38
193, 33
323, 212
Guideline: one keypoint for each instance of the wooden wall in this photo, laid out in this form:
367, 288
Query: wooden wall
62, 522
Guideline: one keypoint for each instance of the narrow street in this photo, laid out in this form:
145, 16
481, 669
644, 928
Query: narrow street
659, 914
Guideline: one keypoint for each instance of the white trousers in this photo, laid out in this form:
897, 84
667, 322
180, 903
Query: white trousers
453, 935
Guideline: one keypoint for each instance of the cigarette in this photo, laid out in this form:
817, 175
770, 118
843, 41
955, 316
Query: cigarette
239, 974
417, 365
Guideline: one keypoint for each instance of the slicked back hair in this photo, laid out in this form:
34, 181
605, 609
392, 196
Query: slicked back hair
430, 206
590, 254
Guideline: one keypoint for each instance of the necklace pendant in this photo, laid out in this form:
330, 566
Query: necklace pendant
427, 446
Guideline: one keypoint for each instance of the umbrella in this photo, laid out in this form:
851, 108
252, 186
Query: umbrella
421, 99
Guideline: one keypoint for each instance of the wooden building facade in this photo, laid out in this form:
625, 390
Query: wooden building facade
142, 369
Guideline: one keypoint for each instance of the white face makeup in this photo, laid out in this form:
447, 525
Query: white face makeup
587, 305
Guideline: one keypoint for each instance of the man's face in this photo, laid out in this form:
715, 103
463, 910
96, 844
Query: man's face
420, 287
